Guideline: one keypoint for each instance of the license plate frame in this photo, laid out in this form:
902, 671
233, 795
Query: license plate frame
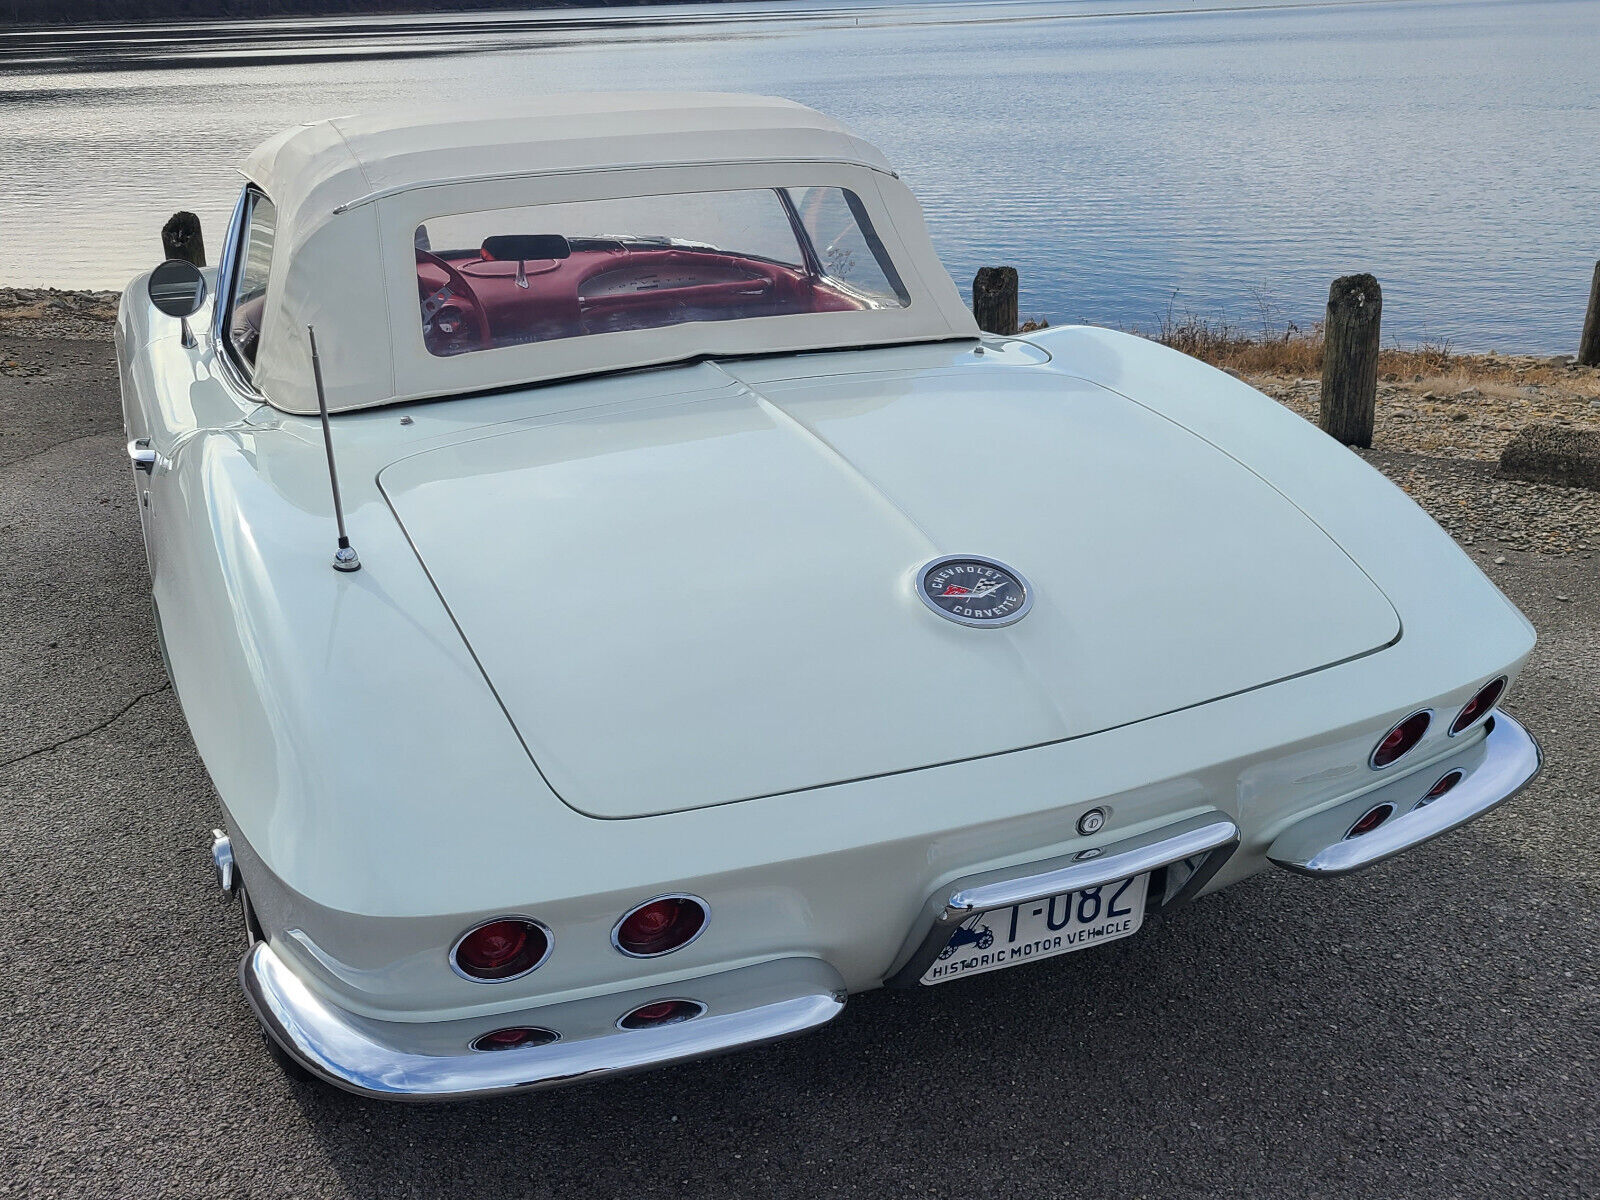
1030, 930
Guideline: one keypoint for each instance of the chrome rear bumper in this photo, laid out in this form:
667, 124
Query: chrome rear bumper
1493, 770
404, 1061
754, 1005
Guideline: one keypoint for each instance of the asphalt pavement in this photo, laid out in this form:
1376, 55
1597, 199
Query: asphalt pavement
1429, 1028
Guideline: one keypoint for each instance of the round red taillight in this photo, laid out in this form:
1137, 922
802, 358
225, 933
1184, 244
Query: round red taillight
514, 1037
1401, 738
1370, 820
1446, 782
660, 926
1478, 706
660, 1012
501, 949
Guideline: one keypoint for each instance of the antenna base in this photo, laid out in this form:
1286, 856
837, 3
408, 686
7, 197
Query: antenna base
345, 558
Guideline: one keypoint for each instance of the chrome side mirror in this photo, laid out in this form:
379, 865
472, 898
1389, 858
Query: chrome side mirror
178, 289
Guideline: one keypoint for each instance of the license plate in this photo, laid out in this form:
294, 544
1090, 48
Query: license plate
1006, 937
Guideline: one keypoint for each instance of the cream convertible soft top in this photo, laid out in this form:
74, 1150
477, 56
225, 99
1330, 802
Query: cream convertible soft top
351, 192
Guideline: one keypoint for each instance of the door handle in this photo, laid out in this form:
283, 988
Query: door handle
142, 455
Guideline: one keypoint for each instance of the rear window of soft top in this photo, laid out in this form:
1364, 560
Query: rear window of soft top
507, 277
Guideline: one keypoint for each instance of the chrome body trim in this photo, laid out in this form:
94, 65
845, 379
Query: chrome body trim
235, 376
699, 1011
142, 455
1494, 770
222, 293
705, 911
222, 301
745, 1007
549, 947
1200, 844
477, 1046
1428, 797
1489, 712
1371, 758
1351, 832
222, 860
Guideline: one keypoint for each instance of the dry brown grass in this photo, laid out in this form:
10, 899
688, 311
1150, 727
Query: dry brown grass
1222, 344
1276, 348
1300, 354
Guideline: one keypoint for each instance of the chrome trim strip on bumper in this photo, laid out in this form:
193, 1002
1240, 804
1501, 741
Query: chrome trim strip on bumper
1495, 770
1107, 868
795, 995
1201, 843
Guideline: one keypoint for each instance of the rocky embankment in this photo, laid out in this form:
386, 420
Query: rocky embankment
1471, 413
49, 313
1467, 413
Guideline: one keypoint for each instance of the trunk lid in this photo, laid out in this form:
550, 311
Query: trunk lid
710, 598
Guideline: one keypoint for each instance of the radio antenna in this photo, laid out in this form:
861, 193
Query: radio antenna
345, 557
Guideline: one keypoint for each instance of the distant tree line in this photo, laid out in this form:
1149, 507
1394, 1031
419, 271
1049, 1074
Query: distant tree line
61, 12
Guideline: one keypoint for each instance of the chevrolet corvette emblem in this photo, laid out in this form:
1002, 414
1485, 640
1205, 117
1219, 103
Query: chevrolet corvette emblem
974, 591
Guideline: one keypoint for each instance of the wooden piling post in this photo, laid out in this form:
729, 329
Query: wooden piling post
994, 299
1350, 359
1589, 343
180, 238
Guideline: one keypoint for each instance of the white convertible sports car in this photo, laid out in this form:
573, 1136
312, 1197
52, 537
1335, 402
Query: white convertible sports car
715, 623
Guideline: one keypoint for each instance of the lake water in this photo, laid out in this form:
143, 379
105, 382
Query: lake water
1125, 155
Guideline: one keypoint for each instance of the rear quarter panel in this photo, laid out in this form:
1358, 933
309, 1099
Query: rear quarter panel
1450, 611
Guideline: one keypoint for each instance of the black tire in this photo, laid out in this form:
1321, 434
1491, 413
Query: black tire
252, 925
985, 939
287, 1062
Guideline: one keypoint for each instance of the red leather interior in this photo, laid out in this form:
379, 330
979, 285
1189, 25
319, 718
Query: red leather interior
606, 290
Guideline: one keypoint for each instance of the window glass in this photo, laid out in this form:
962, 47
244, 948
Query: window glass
848, 251
511, 276
249, 294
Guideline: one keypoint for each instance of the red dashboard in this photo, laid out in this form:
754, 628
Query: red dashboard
471, 302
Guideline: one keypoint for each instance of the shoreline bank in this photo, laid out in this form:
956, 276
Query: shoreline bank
55, 313
1431, 400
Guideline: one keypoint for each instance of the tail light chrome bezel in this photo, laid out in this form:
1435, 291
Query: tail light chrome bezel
1427, 724
1355, 829
477, 1043
1498, 686
699, 1010
519, 918
705, 920
1441, 787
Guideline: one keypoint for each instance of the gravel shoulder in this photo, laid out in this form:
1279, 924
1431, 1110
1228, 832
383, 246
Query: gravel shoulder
54, 314
1471, 412
1427, 1029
